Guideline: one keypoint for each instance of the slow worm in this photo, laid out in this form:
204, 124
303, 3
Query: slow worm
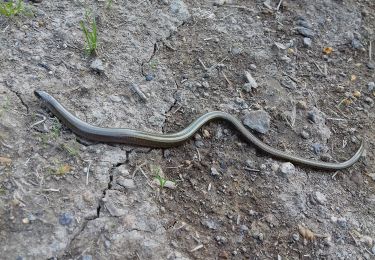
142, 138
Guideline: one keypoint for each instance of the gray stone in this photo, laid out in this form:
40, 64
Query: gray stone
320, 198
295, 237
65, 219
179, 8
209, 223
373, 250
307, 42
304, 23
258, 121
371, 86
287, 168
97, 65
305, 32
214, 172
317, 148
356, 44
126, 183
371, 65
305, 134
115, 98
221, 240
86, 257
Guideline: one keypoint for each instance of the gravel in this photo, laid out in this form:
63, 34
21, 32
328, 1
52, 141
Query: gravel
287, 168
258, 121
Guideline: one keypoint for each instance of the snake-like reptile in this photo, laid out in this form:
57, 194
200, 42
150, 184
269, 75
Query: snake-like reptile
142, 138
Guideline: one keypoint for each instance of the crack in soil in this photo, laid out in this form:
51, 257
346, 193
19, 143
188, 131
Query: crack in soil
19, 96
99, 207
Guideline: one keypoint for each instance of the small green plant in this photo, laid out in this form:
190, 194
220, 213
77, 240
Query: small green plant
108, 4
154, 64
89, 29
55, 129
161, 180
13, 8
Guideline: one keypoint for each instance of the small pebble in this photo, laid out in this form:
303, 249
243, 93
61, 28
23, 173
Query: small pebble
295, 237
65, 219
317, 148
307, 42
25, 221
301, 104
97, 65
221, 240
86, 257
253, 67
258, 120
320, 198
305, 32
371, 65
312, 117
274, 167
126, 183
206, 134
304, 23
149, 77
305, 134
356, 44
199, 143
369, 100
287, 168
371, 86
373, 250
342, 222
214, 172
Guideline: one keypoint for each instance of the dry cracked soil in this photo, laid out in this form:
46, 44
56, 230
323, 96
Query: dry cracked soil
158, 66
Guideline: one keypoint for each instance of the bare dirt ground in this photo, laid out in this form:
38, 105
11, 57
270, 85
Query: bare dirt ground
62, 197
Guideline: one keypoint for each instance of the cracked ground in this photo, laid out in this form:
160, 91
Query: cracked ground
165, 63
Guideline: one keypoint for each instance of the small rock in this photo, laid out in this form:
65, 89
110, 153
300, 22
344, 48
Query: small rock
97, 65
179, 8
126, 183
295, 237
373, 250
304, 23
123, 170
305, 134
320, 198
214, 172
307, 42
249, 163
371, 86
301, 104
197, 137
253, 67
247, 87
325, 157
31, 217
312, 117
367, 240
305, 32
25, 221
199, 143
65, 219
86, 257
287, 168
342, 222
317, 148
244, 229
369, 100
251, 80
356, 44
115, 98
261, 236
258, 121
221, 240
371, 65
206, 134
275, 167
149, 77
210, 224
